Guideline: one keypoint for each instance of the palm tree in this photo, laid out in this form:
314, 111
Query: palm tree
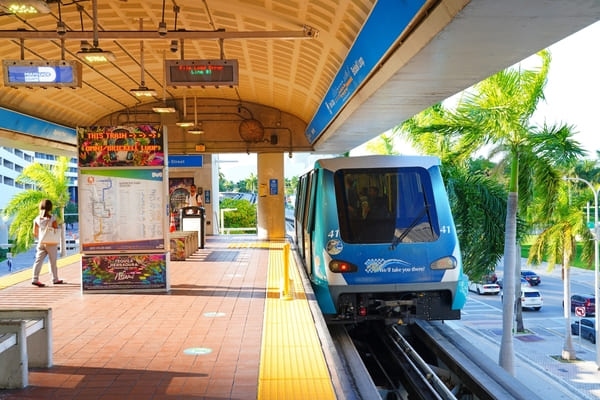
382, 144
478, 208
478, 202
497, 112
48, 182
557, 243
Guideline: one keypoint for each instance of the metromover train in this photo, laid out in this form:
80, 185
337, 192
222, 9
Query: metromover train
377, 239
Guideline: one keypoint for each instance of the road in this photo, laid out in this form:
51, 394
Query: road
488, 308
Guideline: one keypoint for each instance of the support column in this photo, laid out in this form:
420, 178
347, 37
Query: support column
270, 210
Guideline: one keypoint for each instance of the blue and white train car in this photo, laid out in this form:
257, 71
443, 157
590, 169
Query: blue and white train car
378, 241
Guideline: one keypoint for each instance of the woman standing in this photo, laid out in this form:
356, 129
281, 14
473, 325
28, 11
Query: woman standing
43, 221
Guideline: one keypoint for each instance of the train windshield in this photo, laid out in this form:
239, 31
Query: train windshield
391, 205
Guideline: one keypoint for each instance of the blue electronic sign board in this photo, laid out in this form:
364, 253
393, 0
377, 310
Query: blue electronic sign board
38, 73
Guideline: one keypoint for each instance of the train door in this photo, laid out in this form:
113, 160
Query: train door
304, 218
309, 222
299, 213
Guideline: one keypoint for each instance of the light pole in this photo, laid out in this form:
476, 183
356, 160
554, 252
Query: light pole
596, 290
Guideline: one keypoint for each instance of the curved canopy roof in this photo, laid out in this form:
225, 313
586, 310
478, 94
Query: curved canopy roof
289, 54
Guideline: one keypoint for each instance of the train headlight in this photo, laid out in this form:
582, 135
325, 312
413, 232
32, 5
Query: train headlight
342, 266
444, 263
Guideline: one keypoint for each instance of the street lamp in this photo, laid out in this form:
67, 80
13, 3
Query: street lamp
596, 290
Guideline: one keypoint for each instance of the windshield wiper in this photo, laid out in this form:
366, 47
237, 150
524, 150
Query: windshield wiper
398, 237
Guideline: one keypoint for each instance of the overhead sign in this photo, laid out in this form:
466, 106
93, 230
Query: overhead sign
112, 146
201, 72
39, 73
193, 160
14, 121
386, 23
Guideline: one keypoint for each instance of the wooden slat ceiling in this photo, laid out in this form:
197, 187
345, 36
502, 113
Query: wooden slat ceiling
290, 75
448, 46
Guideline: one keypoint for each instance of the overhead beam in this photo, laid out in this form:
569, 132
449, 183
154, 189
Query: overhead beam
306, 33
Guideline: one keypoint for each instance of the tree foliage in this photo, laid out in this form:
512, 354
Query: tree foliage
225, 185
496, 112
243, 217
50, 182
478, 205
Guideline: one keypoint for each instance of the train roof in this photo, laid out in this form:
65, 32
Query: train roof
377, 161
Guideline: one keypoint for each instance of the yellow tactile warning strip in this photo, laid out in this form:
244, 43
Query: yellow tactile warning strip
246, 245
292, 365
24, 275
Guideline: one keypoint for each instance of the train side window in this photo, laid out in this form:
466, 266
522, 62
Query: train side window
300, 199
310, 200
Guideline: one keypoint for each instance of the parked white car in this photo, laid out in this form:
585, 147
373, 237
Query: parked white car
530, 298
484, 288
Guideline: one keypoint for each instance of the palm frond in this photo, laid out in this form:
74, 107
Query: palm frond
50, 183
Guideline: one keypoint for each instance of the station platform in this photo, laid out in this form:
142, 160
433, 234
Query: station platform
224, 331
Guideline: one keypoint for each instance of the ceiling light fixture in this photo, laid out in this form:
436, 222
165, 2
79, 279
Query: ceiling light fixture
196, 129
61, 28
142, 91
185, 123
162, 25
24, 6
164, 108
95, 54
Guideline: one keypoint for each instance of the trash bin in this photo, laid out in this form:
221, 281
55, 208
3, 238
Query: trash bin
193, 219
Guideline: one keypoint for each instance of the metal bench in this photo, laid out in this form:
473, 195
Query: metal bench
25, 341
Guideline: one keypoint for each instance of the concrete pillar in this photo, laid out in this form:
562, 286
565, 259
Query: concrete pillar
270, 210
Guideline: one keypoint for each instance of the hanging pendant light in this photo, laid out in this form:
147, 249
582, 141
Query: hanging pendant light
95, 54
185, 123
142, 90
196, 129
164, 108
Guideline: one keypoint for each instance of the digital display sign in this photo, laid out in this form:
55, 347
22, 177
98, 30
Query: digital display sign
202, 72
39, 73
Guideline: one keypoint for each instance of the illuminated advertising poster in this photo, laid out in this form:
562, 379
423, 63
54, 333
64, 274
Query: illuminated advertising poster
131, 146
124, 272
122, 209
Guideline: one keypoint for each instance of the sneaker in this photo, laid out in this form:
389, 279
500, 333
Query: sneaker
38, 284
58, 282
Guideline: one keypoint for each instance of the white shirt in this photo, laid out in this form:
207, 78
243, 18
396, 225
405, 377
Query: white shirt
193, 201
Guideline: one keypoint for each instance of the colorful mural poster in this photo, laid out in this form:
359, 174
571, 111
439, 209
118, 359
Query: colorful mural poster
124, 272
131, 146
124, 209
179, 192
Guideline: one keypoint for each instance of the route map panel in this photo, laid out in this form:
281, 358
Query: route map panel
124, 209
